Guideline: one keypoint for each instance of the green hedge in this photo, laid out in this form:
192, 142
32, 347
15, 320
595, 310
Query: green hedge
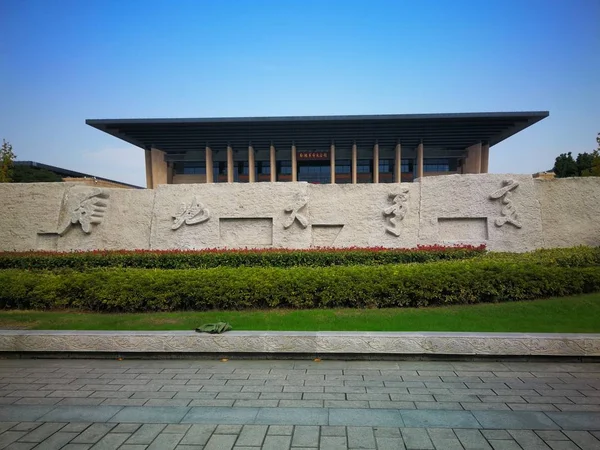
440, 283
205, 259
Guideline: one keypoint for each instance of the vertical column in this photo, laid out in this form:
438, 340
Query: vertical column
420, 160
273, 163
485, 158
376, 163
159, 167
229, 164
294, 164
251, 170
332, 162
354, 163
209, 165
148, 155
473, 163
170, 173
398, 164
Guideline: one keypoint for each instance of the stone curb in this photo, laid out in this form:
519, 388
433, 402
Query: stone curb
366, 343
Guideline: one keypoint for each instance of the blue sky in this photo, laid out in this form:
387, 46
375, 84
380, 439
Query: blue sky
64, 61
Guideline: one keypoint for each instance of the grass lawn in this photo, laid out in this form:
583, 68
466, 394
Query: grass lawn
579, 314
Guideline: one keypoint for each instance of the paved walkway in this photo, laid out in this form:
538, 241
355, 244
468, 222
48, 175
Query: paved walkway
185, 405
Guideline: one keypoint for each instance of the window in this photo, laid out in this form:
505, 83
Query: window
363, 166
190, 168
386, 165
343, 166
436, 165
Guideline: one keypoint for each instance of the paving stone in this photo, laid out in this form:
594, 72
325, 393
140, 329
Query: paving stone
154, 414
583, 439
416, 438
23, 413
126, 428
563, 445
76, 427
365, 417
516, 420
21, 446
8, 437
36, 401
198, 435
252, 435
146, 434
292, 416
237, 416
575, 420
442, 419
501, 434
346, 404
388, 443
305, 436
528, 439
505, 445
93, 433
42, 432
284, 430
57, 441
228, 429
333, 443
472, 439
80, 414
166, 441
273, 442
23, 426
361, 437
110, 441
175, 428
134, 447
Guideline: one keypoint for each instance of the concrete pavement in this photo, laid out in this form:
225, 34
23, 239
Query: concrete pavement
282, 404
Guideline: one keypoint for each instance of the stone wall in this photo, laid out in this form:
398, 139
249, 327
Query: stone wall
505, 212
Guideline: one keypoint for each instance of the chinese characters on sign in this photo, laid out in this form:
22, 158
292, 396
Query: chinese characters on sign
509, 212
397, 210
295, 215
89, 211
313, 155
190, 214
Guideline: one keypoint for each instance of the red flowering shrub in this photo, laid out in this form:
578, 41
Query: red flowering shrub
272, 257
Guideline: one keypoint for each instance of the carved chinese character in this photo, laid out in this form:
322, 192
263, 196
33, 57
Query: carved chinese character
190, 214
89, 211
509, 212
295, 215
397, 210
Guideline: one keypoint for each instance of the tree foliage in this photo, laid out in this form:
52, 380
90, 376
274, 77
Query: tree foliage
6, 162
565, 166
585, 165
27, 174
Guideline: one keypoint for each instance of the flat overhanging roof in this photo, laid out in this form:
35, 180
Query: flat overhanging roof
440, 131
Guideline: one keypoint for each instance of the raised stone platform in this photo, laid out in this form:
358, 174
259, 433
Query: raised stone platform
315, 343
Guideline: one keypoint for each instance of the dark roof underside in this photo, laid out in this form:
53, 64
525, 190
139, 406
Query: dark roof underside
442, 131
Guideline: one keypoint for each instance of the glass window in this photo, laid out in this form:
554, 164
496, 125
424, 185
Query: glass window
386, 165
436, 165
407, 166
190, 168
363, 166
343, 166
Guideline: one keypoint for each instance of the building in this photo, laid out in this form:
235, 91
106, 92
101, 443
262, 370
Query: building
326, 149
32, 171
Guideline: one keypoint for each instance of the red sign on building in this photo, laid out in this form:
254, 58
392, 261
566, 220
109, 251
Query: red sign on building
313, 155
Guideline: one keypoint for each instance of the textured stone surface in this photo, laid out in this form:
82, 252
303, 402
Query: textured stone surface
303, 342
453, 199
472, 209
570, 211
237, 213
27, 209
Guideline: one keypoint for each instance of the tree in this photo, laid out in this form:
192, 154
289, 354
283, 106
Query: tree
594, 169
565, 166
27, 174
6, 162
584, 162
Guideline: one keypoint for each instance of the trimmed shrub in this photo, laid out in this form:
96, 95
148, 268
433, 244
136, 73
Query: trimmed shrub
440, 283
204, 259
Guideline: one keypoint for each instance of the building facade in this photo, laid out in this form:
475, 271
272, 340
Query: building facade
322, 150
